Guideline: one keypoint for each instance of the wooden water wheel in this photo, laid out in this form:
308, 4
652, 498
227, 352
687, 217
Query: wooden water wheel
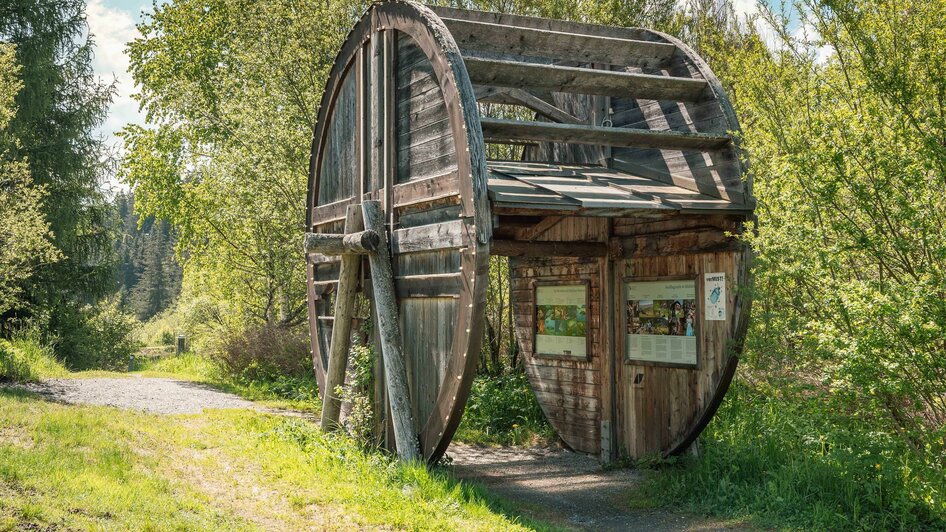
627, 173
398, 124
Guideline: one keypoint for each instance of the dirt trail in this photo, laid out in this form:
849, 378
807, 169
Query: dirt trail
160, 396
567, 488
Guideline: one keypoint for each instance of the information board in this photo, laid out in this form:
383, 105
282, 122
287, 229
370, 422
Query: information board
561, 320
661, 321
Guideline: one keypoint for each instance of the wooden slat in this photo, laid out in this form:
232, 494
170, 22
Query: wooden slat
523, 21
428, 189
501, 130
583, 80
445, 235
498, 38
436, 285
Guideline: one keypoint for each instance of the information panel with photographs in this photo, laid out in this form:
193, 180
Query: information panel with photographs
661, 321
561, 320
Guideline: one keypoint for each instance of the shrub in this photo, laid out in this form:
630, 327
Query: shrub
25, 358
100, 337
265, 352
503, 409
788, 457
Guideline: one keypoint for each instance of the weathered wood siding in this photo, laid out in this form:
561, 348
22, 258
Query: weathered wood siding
425, 143
657, 405
339, 165
569, 391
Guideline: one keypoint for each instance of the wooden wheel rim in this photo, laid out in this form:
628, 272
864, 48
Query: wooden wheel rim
429, 33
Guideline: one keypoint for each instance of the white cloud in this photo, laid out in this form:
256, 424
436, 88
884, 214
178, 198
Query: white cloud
112, 29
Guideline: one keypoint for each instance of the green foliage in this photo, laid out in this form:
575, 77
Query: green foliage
781, 457
148, 275
503, 410
60, 105
24, 358
161, 329
24, 231
104, 338
845, 134
233, 102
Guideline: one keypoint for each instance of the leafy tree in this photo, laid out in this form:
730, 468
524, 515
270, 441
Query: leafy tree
24, 231
232, 89
56, 112
846, 124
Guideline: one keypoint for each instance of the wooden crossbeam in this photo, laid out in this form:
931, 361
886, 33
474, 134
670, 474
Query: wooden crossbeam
583, 80
359, 243
560, 45
500, 131
518, 248
527, 99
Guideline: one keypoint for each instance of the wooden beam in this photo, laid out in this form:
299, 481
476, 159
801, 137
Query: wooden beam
559, 45
497, 130
445, 235
389, 328
333, 244
331, 212
518, 248
584, 80
341, 330
544, 108
535, 231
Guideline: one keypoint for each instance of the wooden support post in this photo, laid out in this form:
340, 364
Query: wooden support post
341, 328
385, 304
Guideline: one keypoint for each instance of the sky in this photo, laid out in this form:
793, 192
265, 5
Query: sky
112, 24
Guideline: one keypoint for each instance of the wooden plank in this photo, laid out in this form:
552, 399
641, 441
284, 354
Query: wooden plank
431, 188
584, 80
445, 235
516, 248
498, 38
523, 21
433, 285
386, 310
499, 130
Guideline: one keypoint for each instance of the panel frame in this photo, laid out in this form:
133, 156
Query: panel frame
699, 321
535, 285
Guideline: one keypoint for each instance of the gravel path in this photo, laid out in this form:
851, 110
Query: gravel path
567, 488
161, 396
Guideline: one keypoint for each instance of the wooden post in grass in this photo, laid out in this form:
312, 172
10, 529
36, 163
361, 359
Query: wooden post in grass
385, 304
344, 307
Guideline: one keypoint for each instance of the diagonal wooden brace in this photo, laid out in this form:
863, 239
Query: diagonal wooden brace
344, 305
389, 329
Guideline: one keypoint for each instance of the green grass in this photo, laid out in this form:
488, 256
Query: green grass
784, 458
23, 359
84, 467
502, 410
